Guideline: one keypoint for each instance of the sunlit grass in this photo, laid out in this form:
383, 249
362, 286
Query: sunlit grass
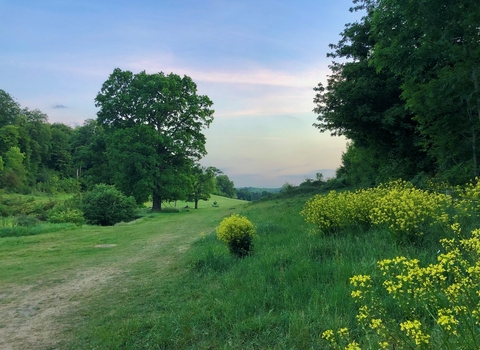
178, 287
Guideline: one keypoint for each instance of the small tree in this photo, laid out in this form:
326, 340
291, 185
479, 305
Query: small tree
106, 206
203, 184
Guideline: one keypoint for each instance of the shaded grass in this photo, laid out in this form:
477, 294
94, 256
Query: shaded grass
19, 231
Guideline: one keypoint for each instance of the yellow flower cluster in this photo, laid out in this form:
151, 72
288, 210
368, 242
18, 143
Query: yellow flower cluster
469, 204
413, 330
338, 210
445, 295
409, 211
235, 228
337, 339
398, 206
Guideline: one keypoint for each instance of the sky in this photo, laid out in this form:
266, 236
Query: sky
258, 61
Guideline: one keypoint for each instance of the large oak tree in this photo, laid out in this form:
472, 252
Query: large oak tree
155, 124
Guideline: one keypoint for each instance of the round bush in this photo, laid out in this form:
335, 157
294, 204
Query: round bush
105, 205
237, 232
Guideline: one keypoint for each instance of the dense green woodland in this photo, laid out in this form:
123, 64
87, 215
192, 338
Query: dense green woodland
404, 89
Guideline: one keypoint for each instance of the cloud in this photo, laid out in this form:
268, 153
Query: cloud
259, 75
59, 107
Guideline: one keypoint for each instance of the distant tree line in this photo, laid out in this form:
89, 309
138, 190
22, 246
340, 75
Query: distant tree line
147, 141
404, 89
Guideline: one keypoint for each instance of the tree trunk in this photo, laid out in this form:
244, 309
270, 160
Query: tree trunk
157, 202
196, 203
474, 151
477, 93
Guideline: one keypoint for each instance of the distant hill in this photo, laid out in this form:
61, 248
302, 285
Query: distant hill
260, 189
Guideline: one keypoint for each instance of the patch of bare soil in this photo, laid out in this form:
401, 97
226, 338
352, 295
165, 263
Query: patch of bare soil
28, 315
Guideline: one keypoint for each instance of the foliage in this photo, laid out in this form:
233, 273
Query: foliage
338, 211
364, 105
25, 220
9, 109
408, 212
60, 152
238, 233
224, 186
90, 154
61, 214
203, 183
105, 205
408, 306
406, 91
434, 49
159, 120
398, 207
13, 175
13, 205
55, 185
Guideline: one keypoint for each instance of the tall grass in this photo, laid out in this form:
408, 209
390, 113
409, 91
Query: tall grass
295, 286
19, 231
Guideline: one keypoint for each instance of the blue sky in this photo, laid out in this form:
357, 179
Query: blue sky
257, 60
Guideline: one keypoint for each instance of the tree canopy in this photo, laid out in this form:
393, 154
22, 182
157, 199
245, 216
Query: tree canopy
155, 124
406, 92
225, 187
203, 183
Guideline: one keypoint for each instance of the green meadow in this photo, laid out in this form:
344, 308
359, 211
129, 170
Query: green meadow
165, 282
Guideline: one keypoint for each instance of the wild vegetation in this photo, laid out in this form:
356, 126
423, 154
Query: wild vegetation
384, 255
404, 90
176, 285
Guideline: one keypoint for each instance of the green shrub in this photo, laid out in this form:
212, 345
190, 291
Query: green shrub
105, 205
237, 232
25, 220
61, 215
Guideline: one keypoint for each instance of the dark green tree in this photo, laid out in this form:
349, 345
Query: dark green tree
434, 48
34, 141
13, 175
105, 205
60, 150
244, 193
9, 109
175, 116
203, 183
224, 186
366, 106
89, 153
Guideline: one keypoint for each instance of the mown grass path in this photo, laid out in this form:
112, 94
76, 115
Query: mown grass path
46, 278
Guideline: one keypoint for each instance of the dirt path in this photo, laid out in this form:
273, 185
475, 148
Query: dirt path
29, 314
33, 314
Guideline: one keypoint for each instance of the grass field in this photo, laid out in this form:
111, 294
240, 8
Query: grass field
48, 276
168, 283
